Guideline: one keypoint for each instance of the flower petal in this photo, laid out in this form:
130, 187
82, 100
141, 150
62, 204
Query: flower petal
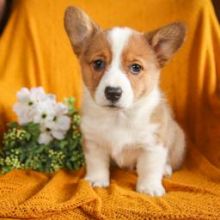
63, 122
51, 97
23, 120
23, 95
38, 94
23, 112
61, 109
44, 138
18, 108
58, 134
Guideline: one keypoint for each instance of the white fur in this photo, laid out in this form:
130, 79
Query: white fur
114, 76
150, 168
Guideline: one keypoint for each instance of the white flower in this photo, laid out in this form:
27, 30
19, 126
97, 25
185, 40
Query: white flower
35, 106
60, 126
61, 122
45, 136
54, 123
26, 103
45, 112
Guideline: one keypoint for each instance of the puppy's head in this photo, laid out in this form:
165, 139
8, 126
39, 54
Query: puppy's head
120, 65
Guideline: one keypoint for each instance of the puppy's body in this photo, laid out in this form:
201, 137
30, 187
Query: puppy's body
125, 116
124, 136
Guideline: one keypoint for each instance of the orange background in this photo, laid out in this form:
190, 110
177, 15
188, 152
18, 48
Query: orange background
35, 51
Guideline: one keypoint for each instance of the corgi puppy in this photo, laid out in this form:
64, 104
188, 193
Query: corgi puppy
125, 116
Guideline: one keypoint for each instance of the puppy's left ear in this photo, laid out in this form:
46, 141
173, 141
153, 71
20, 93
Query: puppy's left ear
166, 41
79, 27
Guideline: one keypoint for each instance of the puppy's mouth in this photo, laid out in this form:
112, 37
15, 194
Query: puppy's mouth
113, 107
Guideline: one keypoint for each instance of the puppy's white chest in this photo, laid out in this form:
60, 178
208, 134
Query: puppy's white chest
120, 134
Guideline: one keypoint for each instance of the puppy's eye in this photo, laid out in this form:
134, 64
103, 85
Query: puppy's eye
135, 68
98, 65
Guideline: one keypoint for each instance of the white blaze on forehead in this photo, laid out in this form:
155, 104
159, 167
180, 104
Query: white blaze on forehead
118, 39
115, 76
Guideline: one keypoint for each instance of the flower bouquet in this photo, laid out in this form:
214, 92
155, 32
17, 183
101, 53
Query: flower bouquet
45, 138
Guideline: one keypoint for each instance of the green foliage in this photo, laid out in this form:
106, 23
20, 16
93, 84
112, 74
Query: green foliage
22, 151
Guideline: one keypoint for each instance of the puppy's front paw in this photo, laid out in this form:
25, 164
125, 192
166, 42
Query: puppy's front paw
98, 182
151, 188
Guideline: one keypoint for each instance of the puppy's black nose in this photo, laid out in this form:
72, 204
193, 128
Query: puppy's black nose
113, 94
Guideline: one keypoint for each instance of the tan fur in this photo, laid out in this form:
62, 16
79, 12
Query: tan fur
138, 51
79, 28
166, 40
169, 133
95, 48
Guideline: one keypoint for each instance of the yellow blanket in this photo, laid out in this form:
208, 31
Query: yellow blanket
34, 50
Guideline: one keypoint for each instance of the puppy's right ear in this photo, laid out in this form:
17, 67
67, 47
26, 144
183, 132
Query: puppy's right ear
79, 28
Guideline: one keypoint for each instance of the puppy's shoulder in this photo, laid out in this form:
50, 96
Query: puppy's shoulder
162, 112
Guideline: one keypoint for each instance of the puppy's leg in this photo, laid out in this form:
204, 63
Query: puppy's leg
150, 168
97, 165
167, 170
177, 152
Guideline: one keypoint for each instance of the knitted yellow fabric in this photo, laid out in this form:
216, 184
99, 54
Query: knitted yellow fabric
34, 50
